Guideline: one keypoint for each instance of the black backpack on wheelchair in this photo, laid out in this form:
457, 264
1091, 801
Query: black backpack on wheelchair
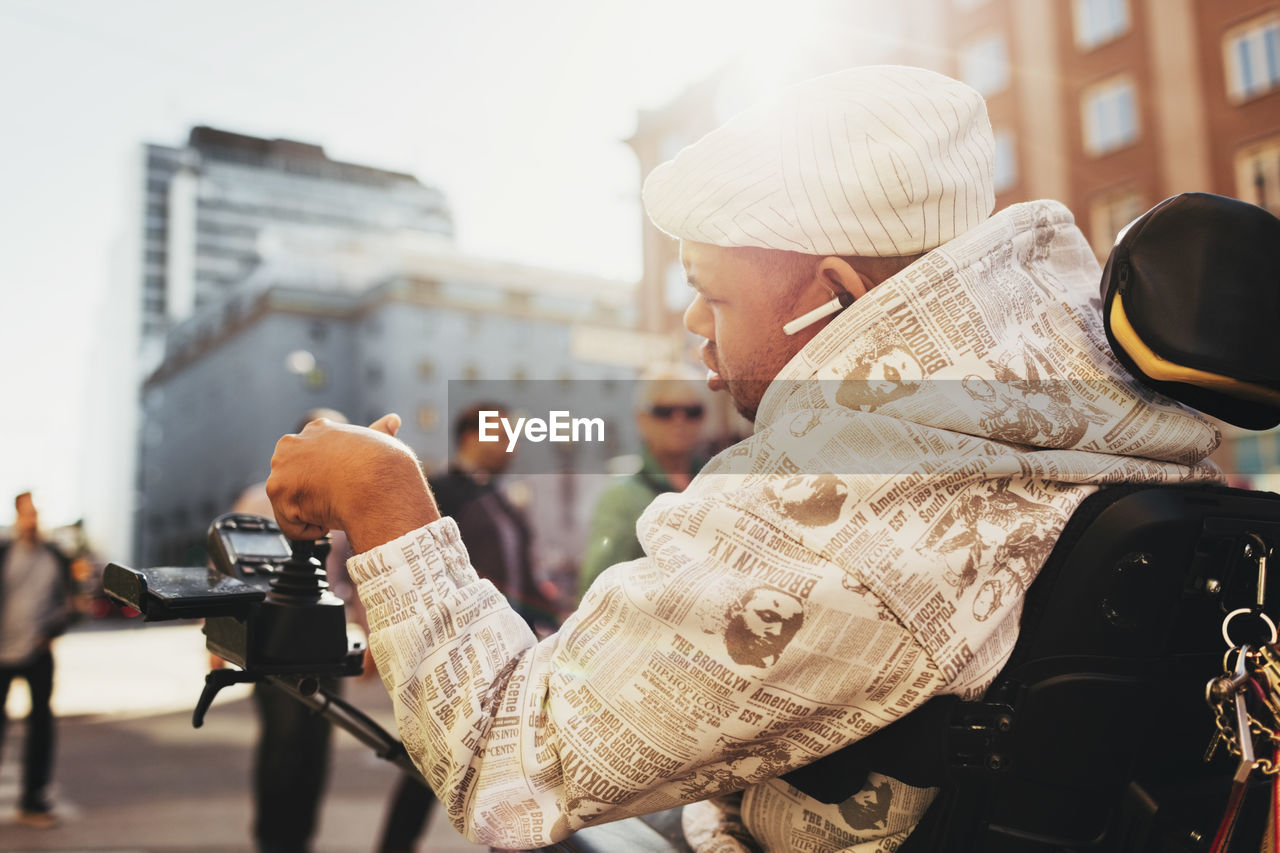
1094, 736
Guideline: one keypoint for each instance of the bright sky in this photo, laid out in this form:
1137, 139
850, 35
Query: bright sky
515, 108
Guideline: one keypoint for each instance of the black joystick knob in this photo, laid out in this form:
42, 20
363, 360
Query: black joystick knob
301, 578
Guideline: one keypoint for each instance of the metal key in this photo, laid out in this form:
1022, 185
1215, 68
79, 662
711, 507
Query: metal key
1216, 741
1255, 548
1225, 698
1244, 738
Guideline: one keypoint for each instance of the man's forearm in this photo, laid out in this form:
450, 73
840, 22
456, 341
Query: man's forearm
369, 530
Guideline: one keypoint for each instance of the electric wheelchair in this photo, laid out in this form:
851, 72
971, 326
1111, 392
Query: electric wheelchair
1094, 736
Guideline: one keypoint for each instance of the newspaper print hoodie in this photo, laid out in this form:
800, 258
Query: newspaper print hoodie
866, 549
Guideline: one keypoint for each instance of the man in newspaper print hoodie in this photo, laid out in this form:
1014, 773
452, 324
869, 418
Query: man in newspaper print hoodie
932, 396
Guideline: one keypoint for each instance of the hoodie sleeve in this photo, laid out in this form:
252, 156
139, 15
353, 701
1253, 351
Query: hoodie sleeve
684, 675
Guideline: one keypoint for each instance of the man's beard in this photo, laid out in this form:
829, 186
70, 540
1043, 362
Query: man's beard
748, 392
747, 411
745, 393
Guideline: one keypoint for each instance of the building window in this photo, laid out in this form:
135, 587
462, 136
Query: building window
1006, 161
984, 64
1109, 213
1252, 56
1099, 21
428, 418
1258, 174
1110, 116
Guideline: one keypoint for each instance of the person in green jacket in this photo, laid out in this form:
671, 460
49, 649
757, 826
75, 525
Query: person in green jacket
670, 411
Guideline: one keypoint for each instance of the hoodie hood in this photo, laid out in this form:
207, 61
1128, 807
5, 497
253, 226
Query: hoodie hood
997, 334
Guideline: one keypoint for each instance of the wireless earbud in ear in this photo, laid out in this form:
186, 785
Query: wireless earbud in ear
804, 321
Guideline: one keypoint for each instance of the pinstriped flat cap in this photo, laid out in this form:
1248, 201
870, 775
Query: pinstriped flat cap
877, 161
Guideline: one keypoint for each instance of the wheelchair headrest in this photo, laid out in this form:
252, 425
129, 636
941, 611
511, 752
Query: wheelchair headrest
1191, 305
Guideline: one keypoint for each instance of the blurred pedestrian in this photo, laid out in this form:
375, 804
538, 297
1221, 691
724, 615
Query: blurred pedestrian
670, 411
495, 531
35, 607
291, 760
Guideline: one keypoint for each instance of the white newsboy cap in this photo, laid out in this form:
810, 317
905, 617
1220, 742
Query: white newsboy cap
877, 161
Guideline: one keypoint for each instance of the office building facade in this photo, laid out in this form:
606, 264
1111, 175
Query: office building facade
206, 210
207, 204
431, 331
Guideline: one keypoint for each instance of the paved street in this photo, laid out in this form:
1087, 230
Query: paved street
133, 776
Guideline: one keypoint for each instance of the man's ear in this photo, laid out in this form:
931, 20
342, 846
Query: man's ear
839, 275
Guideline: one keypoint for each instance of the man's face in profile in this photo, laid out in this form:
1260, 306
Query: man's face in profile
796, 490
891, 375
740, 305
766, 612
869, 808
761, 625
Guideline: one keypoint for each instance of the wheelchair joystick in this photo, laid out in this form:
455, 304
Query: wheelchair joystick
300, 580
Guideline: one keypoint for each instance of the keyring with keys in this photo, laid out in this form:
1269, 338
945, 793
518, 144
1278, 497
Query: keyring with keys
1245, 702
1226, 622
